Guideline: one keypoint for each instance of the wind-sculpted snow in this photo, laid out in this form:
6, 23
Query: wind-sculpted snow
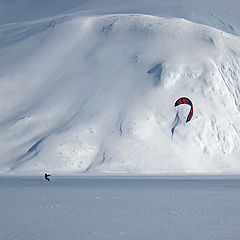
220, 14
96, 94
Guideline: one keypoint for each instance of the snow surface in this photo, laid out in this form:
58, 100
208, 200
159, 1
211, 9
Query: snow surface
120, 208
220, 14
93, 89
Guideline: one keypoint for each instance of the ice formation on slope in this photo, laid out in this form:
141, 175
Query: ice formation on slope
97, 94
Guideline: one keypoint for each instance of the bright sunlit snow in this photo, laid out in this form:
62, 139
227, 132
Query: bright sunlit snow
87, 95
91, 87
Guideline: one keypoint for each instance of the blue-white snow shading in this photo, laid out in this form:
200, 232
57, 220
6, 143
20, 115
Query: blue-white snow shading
128, 208
90, 86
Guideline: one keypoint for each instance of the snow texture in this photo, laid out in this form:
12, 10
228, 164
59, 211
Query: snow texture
118, 208
90, 87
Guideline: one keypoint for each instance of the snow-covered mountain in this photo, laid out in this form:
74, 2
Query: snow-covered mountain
93, 89
219, 14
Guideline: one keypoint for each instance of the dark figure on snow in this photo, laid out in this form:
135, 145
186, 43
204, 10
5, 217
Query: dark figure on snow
46, 176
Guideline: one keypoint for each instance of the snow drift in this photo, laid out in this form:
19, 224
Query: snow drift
96, 94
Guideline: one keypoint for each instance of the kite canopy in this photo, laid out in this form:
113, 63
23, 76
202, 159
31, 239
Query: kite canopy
185, 100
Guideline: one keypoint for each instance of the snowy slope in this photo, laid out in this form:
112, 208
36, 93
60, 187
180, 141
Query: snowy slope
220, 14
96, 94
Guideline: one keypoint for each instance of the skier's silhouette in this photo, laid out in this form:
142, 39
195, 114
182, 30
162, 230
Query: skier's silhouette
46, 176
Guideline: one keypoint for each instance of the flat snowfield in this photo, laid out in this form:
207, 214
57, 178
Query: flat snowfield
120, 208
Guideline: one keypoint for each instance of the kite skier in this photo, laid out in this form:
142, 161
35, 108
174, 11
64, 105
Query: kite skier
46, 176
